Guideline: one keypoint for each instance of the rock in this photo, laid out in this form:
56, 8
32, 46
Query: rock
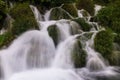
84, 25
79, 55
59, 13
53, 32
71, 9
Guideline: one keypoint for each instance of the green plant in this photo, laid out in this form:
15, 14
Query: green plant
109, 17
103, 43
6, 39
23, 19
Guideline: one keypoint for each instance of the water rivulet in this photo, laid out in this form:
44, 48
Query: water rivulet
53, 52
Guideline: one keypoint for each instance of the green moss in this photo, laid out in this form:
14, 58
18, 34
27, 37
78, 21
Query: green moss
88, 5
71, 8
103, 43
109, 16
59, 13
23, 19
79, 55
83, 24
53, 32
6, 39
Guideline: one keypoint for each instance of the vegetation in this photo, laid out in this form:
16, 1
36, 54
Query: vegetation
23, 19
6, 39
88, 5
109, 17
59, 13
71, 8
79, 55
103, 43
83, 24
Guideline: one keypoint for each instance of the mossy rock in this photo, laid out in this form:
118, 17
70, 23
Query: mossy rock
84, 25
109, 17
103, 43
114, 58
23, 19
79, 55
71, 9
53, 31
88, 5
59, 13
6, 39
117, 39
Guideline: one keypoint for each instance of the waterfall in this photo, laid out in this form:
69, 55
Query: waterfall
36, 50
34, 55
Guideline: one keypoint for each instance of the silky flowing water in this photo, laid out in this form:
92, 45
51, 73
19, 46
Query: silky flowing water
34, 56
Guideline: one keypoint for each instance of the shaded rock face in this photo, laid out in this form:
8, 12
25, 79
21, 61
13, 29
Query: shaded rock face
53, 32
79, 55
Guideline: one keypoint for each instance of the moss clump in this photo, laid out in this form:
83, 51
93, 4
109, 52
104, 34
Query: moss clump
114, 58
23, 18
71, 8
79, 55
103, 43
53, 32
83, 24
109, 17
6, 39
88, 5
59, 13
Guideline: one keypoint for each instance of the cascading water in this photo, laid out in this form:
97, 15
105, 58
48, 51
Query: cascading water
33, 55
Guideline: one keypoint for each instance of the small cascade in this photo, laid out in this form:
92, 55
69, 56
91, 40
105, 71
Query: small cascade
37, 14
64, 28
63, 58
94, 60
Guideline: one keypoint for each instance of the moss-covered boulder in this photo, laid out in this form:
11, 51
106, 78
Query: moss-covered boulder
109, 17
6, 39
114, 58
23, 18
79, 55
84, 25
88, 5
71, 9
103, 43
53, 31
59, 13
